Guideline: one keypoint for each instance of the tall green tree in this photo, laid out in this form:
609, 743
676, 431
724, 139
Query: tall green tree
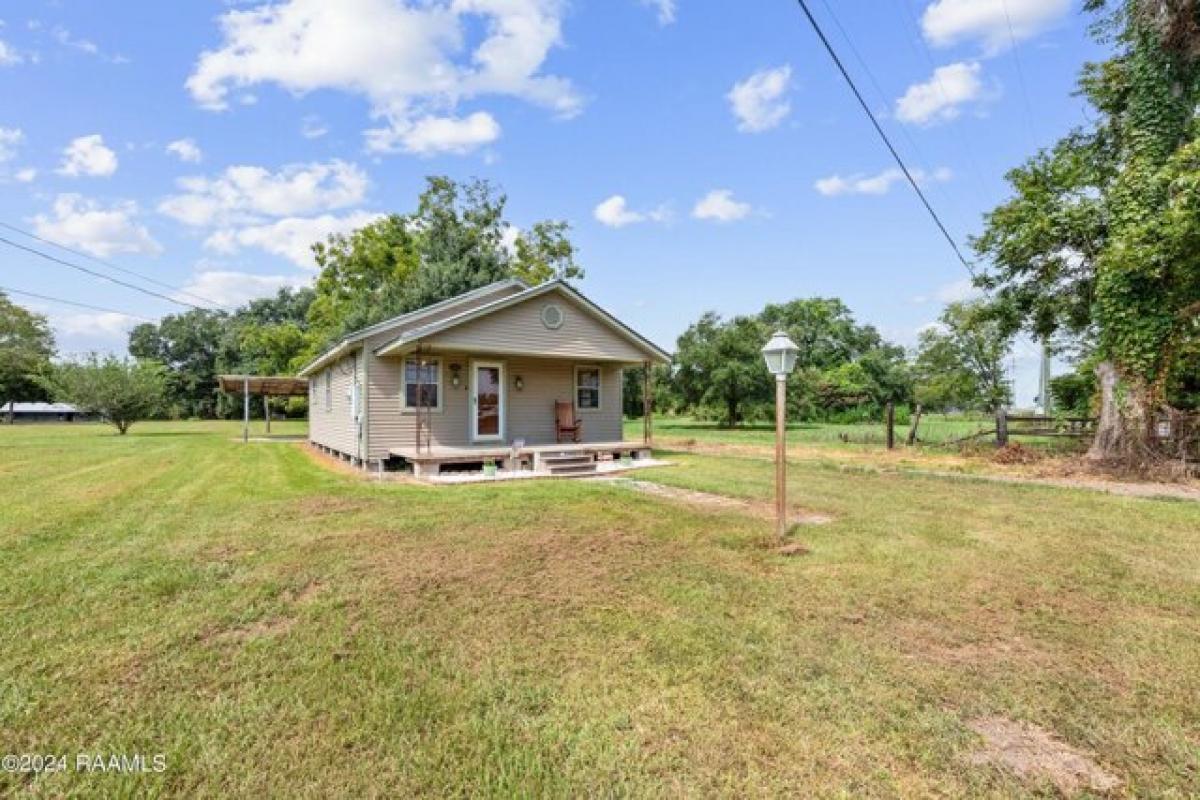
456, 240
960, 361
1100, 236
719, 366
120, 391
190, 346
26, 347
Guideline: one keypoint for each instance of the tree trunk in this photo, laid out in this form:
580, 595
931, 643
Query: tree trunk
12, 416
1125, 431
1110, 433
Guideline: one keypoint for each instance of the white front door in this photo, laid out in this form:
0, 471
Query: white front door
487, 401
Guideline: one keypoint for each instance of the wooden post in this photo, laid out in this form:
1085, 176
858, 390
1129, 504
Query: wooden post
246, 408
912, 430
646, 403
1001, 427
267, 412
781, 456
891, 426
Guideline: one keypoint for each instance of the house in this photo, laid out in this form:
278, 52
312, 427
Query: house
41, 412
482, 377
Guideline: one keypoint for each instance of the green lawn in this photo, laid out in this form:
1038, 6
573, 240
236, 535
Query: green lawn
934, 429
280, 630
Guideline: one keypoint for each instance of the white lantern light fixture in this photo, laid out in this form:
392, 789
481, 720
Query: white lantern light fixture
780, 354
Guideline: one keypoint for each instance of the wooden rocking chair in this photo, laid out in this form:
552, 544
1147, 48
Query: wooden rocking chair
565, 421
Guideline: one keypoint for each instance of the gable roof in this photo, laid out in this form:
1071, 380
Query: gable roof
346, 343
412, 335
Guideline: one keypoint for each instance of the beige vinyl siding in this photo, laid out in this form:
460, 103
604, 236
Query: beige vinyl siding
334, 426
529, 414
518, 330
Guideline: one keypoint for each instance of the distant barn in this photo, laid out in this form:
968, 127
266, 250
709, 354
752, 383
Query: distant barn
43, 412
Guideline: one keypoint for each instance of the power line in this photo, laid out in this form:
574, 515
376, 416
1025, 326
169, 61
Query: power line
100, 275
879, 129
882, 95
967, 141
112, 266
1012, 38
50, 299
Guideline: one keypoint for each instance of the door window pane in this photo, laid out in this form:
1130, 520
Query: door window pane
487, 395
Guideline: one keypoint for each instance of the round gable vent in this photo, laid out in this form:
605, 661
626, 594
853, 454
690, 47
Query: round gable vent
552, 316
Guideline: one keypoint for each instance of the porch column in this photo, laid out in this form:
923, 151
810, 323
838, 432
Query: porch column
267, 412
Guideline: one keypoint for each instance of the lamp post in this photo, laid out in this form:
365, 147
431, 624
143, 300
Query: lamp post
780, 354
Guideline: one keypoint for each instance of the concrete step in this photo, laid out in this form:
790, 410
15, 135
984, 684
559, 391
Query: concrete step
568, 458
572, 469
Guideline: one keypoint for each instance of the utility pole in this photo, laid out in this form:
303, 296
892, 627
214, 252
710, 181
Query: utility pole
1044, 380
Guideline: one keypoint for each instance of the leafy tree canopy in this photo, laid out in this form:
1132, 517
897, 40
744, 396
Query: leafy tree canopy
456, 240
960, 361
121, 391
26, 346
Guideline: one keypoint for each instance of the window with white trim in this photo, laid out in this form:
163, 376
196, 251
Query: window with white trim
587, 388
422, 384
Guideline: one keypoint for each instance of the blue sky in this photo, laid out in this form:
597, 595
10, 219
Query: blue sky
706, 153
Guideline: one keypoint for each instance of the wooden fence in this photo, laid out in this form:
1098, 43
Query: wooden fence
1010, 425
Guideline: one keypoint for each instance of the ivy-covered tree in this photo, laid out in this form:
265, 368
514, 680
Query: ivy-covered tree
1101, 235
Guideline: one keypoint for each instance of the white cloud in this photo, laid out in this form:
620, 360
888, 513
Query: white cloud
957, 291
665, 9
759, 102
432, 135
939, 98
947, 22
719, 206
101, 325
8, 56
88, 155
101, 231
25, 175
237, 288
185, 150
313, 128
292, 237
248, 193
409, 59
10, 140
616, 213
877, 184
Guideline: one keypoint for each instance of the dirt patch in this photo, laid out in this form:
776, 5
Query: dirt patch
720, 502
793, 549
261, 629
1034, 755
306, 593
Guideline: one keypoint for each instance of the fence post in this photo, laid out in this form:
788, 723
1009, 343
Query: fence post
1001, 427
891, 426
916, 422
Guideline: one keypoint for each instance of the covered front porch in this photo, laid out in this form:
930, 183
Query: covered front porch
567, 459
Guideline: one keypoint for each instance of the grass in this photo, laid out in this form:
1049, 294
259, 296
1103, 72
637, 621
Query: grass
934, 429
278, 629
